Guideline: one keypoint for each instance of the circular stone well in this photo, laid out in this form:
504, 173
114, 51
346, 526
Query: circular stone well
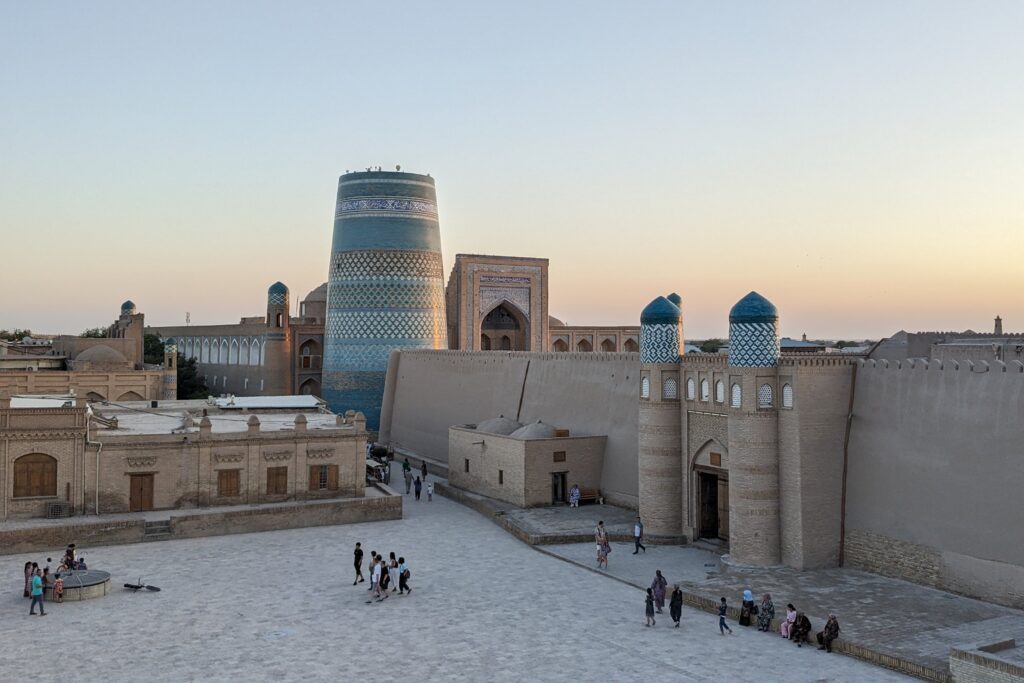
82, 585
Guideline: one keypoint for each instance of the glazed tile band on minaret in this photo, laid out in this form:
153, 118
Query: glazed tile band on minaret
386, 284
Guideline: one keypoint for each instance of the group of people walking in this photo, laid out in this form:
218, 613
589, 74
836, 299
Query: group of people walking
421, 480
387, 575
38, 579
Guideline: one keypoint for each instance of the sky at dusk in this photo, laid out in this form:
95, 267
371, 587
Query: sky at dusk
860, 164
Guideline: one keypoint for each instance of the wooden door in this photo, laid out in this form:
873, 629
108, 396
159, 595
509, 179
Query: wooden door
708, 497
141, 496
723, 509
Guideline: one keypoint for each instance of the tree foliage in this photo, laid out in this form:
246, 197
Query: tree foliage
190, 384
15, 334
94, 332
152, 349
712, 345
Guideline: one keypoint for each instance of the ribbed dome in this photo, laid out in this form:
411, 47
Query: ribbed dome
660, 311
498, 425
101, 354
277, 288
128, 306
676, 299
536, 430
753, 308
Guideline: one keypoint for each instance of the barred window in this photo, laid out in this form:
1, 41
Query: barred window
690, 389
787, 396
737, 396
670, 389
764, 396
720, 391
645, 387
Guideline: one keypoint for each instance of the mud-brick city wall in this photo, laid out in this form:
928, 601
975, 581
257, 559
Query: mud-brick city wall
936, 475
590, 394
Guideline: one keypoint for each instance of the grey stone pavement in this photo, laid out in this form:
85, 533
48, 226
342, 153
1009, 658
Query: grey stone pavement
562, 520
280, 605
888, 615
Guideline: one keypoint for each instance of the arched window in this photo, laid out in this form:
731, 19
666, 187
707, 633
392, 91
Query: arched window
215, 352
204, 357
188, 348
233, 353
787, 396
35, 476
224, 351
630, 346
608, 345
645, 387
584, 345
690, 389
705, 390
670, 389
737, 396
560, 345
764, 396
506, 343
279, 320
485, 342
720, 391
254, 354
243, 354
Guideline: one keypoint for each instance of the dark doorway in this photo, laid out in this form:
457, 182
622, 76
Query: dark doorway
507, 329
557, 487
141, 492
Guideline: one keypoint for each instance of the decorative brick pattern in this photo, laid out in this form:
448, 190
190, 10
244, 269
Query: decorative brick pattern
659, 343
753, 345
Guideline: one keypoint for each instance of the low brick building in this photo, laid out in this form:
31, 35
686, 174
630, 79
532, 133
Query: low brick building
67, 459
526, 465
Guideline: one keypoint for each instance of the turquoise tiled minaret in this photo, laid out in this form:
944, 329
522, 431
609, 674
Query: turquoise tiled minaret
661, 332
386, 284
754, 333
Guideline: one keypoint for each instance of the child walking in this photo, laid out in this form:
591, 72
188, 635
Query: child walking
649, 601
430, 491
58, 588
722, 626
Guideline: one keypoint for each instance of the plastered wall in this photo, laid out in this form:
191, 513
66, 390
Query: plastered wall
590, 394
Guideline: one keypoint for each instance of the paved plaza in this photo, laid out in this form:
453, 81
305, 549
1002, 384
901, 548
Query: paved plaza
281, 605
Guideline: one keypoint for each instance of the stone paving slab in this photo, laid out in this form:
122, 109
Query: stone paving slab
280, 606
887, 615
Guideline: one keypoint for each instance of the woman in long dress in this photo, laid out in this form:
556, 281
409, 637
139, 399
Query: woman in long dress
658, 586
675, 605
603, 547
765, 613
747, 608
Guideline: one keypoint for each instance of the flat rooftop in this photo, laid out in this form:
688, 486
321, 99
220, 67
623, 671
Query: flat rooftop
171, 417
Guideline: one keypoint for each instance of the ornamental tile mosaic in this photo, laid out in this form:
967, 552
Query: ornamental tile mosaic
277, 298
383, 264
345, 295
659, 343
753, 345
418, 207
387, 325
519, 296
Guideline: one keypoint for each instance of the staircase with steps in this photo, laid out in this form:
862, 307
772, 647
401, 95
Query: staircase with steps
157, 531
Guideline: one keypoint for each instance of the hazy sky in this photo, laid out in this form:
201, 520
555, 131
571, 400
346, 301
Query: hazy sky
860, 164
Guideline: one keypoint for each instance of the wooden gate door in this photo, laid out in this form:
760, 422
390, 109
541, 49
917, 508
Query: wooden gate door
708, 496
141, 497
723, 509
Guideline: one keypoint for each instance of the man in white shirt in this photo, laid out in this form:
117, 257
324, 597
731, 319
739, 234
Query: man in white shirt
638, 533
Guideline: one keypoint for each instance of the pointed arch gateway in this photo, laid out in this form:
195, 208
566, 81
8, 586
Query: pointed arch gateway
502, 320
709, 490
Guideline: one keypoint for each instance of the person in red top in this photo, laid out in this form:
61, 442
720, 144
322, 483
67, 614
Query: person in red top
58, 588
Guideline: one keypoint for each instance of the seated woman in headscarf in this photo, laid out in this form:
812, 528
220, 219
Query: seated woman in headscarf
801, 630
765, 613
830, 633
787, 624
747, 609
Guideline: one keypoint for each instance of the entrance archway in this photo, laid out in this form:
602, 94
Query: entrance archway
709, 489
505, 327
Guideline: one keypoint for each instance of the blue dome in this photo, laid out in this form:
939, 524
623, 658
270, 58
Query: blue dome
753, 308
277, 288
128, 305
676, 299
661, 311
